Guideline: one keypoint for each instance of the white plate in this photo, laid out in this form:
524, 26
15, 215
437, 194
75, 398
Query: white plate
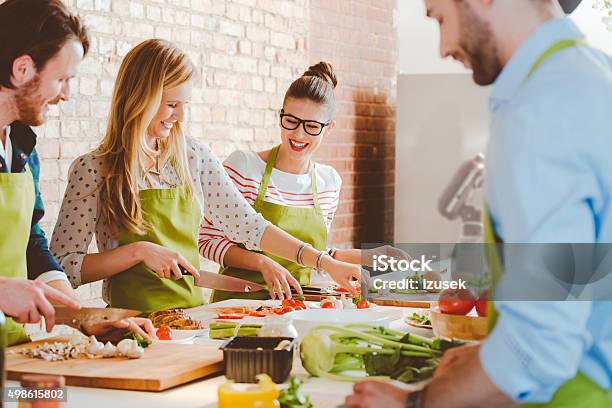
317, 305
180, 337
305, 320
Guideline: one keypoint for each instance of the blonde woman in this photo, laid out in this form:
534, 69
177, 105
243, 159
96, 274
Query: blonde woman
144, 190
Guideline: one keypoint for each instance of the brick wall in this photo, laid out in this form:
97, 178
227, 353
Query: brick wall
359, 38
248, 52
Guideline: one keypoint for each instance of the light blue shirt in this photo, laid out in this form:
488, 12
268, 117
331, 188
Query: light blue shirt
549, 166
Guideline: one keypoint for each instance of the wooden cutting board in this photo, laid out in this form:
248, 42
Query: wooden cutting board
163, 366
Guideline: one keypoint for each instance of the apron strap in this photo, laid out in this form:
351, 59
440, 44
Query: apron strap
555, 48
313, 186
265, 180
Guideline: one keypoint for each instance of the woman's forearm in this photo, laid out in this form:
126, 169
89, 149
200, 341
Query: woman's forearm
237, 257
349, 255
279, 243
103, 265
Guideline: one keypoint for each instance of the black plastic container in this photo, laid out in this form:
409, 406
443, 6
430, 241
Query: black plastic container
246, 357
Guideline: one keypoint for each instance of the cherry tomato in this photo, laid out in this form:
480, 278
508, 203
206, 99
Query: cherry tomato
288, 309
327, 304
363, 304
164, 333
459, 301
482, 303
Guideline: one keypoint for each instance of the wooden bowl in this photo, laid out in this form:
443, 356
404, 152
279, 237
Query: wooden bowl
458, 326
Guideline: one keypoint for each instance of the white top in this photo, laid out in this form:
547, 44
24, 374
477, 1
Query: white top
79, 217
246, 170
6, 150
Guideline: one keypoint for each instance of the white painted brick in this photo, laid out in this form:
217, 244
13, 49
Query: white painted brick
102, 5
136, 10
231, 28
85, 4
153, 13
87, 86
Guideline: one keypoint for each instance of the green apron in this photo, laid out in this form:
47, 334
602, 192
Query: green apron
305, 224
16, 209
580, 391
174, 218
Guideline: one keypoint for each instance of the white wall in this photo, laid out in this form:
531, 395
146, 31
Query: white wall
442, 120
419, 39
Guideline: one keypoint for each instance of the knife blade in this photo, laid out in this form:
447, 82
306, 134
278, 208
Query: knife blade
212, 280
365, 283
90, 316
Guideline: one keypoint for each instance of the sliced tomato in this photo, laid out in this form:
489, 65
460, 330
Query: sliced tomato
278, 310
289, 302
342, 290
230, 317
258, 314
288, 309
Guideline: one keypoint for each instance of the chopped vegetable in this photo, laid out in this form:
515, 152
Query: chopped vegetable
293, 397
230, 317
141, 341
225, 330
328, 351
420, 318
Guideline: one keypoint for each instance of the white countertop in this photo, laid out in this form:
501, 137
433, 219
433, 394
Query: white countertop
203, 393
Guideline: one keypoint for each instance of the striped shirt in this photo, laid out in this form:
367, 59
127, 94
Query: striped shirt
246, 170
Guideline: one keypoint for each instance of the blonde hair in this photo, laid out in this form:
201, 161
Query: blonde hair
317, 84
146, 71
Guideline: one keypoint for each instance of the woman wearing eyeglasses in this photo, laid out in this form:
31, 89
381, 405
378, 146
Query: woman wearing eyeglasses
288, 188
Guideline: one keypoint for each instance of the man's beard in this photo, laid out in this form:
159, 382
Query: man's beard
31, 104
478, 43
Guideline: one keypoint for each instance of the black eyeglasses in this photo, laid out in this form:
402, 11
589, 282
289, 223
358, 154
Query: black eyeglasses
312, 127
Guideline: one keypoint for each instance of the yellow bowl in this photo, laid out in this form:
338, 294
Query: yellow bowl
458, 326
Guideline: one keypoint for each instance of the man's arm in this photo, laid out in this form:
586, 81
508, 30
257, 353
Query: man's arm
41, 264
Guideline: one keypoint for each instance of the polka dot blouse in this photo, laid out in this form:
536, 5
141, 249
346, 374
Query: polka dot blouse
79, 217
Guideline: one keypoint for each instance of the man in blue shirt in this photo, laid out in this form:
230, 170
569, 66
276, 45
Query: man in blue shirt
549, 181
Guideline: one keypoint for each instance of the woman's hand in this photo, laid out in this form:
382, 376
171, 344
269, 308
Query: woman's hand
278, 279
116, 330
164, 262
342, 272
368, 255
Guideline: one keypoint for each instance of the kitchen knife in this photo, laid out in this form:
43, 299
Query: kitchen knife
365, 283
212, 280
91, 316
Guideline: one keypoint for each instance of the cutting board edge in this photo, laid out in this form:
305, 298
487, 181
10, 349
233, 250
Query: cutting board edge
150, 384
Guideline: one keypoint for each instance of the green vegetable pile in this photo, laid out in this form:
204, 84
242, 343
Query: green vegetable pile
421, 319
293, 397
225, 330
141, 341
328, 351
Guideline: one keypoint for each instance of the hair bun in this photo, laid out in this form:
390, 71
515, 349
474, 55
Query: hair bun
322, 70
